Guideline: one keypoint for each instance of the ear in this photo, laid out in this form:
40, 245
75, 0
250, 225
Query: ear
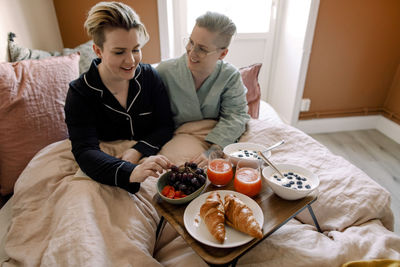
97, 50
223, 54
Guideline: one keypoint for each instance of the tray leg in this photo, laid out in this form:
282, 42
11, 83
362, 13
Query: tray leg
314, 218
232, 263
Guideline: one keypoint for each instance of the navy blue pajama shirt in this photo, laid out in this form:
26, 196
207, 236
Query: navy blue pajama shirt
93, 114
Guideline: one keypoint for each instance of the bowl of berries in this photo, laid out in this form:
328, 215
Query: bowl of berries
182, 184
297, 182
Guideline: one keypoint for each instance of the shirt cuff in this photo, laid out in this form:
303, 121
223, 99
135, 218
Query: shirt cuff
122, 175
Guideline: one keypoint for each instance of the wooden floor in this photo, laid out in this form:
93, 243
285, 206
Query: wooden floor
375, 154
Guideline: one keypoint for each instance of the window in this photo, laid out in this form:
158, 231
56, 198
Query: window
251, 16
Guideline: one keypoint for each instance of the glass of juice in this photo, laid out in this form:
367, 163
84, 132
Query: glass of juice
248, 177
219, 170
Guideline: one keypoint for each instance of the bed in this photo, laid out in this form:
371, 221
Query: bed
58, 217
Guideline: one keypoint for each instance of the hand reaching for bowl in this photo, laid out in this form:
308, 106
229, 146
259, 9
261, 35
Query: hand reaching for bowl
202, 159
151, 166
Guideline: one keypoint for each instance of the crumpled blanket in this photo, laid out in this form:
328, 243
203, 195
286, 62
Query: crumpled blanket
63, 219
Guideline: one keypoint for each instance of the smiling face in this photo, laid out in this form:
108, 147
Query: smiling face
120, 54
202, 41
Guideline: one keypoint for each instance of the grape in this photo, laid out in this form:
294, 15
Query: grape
182, 187
201, 179
174, 168
193, 165
187, 178
195, 183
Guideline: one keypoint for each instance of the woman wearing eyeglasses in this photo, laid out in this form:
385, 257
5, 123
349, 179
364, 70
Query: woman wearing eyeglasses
202, 86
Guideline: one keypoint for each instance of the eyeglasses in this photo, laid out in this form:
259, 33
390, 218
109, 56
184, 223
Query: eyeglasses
200, 52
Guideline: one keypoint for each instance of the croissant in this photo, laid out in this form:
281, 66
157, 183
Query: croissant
212, 212
241, 217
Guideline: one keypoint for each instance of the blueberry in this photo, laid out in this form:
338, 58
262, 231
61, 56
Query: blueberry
275, 176
299, 186
304, 179
287, 185
290, 177
290, 173
240, 156
291, 182
308, 186
299, 182
298, 178
285, 174
278, 179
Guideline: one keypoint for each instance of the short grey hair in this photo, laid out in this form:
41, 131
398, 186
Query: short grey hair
220, 24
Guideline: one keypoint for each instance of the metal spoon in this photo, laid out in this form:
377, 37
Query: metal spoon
270, 163
274, 146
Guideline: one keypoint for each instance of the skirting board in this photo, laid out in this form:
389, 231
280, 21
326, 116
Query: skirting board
382, 124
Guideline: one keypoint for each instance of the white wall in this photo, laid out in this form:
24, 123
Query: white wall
295, 31
244, 52
33, 21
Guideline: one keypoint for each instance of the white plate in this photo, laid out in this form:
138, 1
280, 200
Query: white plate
198, 229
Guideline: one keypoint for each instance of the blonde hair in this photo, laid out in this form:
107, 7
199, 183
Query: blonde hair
105, 15
220, 24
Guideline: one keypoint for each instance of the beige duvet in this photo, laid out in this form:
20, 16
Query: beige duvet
61, 218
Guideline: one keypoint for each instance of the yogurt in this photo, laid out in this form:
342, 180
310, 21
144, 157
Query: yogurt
292, 180
245, 154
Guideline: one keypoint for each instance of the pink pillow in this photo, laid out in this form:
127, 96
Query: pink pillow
250, 79
32, 97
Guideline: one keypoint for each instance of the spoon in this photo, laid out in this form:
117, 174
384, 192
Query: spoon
270, 163
274, 146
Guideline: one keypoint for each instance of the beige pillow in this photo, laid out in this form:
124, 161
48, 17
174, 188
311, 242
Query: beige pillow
32, 97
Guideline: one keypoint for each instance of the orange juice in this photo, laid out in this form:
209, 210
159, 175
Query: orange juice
219, 172
247, 181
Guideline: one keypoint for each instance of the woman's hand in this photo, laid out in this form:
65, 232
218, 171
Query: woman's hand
150, 167
131, 155
201, 160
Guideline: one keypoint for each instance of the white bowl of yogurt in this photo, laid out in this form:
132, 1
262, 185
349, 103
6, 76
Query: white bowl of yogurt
244, 151
297, 182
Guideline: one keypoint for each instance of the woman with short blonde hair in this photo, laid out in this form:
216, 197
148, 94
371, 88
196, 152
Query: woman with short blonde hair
118, 98
116, 15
